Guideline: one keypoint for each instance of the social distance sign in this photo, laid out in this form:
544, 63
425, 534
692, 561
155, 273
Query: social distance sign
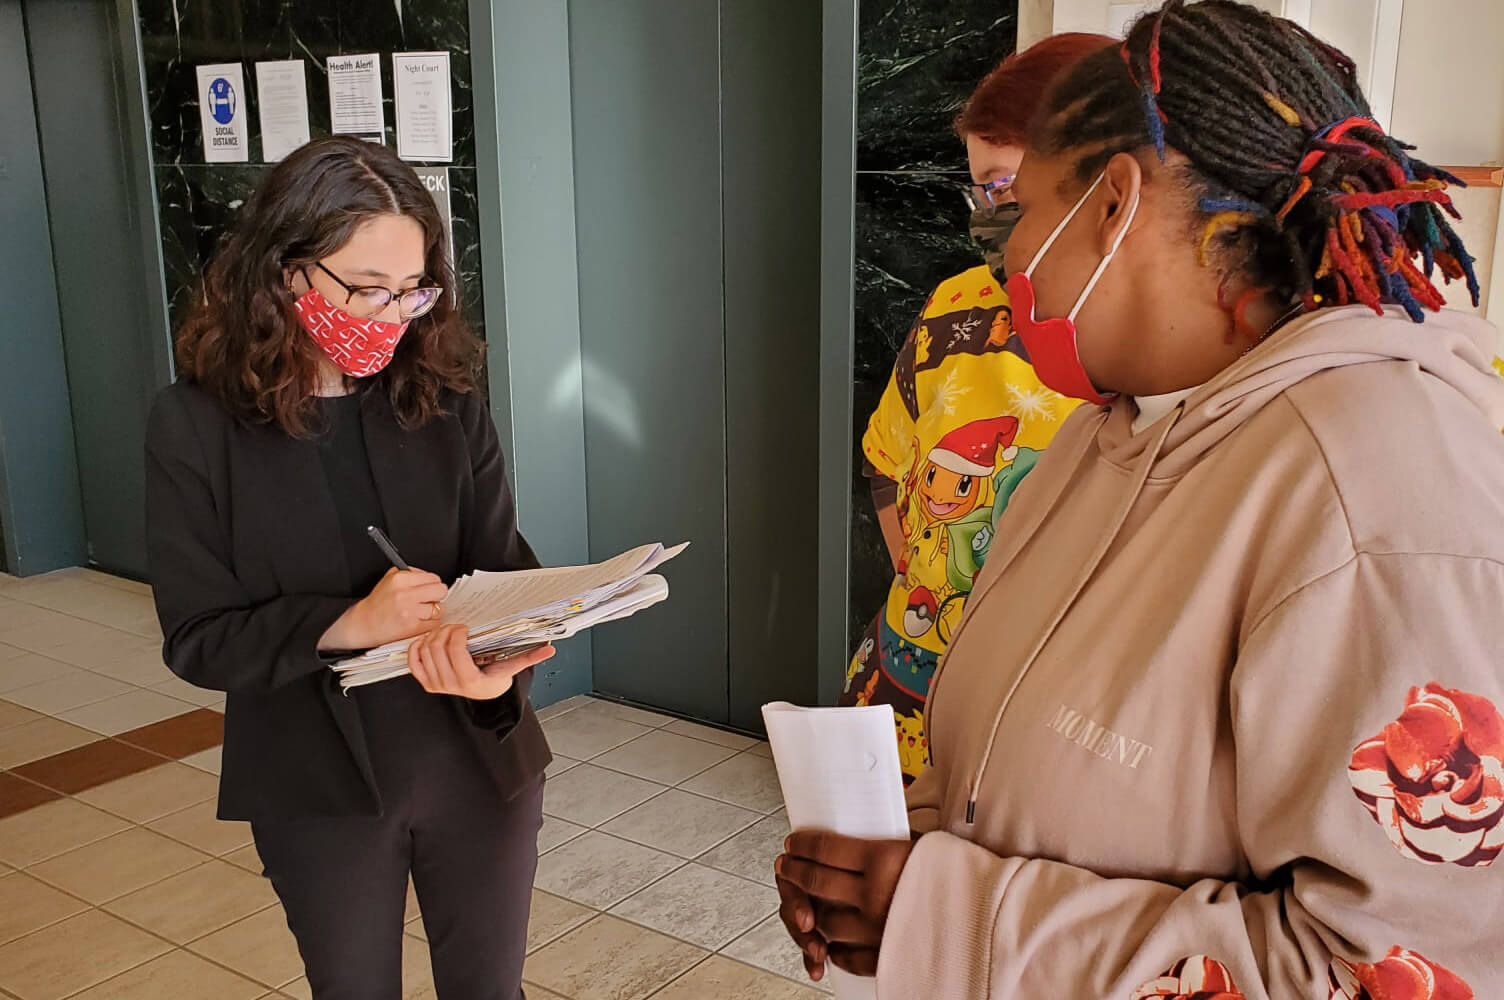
221, 113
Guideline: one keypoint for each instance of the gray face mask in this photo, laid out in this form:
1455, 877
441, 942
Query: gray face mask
990, 232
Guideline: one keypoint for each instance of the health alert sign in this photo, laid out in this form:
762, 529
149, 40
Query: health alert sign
221, 113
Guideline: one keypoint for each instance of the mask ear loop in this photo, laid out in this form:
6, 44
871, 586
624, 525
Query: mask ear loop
1050, 240
1111, 252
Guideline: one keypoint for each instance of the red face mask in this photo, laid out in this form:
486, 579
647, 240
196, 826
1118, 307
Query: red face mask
358, 347
1051, 342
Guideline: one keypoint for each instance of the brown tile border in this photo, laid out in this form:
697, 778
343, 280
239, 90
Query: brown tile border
18, 795
180, 736
88, 766
108, 759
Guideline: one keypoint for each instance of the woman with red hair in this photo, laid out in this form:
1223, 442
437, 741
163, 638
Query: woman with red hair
963, 418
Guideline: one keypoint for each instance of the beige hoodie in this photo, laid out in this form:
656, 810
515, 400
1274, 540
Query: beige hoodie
1226, 696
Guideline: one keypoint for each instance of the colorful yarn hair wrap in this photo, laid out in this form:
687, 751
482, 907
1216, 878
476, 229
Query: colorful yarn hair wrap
1300, 190
1377, 207
1150, 86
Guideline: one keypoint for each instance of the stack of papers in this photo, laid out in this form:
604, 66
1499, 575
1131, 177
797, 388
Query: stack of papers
511, 613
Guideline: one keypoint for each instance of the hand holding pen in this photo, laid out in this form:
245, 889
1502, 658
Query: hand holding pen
407, 602
440, 658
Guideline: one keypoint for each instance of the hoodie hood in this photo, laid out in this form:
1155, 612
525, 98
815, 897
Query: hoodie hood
1456, 348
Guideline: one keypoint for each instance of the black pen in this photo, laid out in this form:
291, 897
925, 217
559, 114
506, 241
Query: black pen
385, 544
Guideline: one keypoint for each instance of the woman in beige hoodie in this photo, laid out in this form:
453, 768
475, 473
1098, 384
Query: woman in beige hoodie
1222, 719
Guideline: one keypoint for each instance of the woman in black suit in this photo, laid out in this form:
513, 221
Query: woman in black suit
326, 383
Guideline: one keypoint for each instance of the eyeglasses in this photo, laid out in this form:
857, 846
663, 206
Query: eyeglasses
366, 301
991, 196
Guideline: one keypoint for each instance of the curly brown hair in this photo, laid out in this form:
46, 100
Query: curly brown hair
242, 342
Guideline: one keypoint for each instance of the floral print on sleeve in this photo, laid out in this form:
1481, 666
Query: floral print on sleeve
1194, 978
1434, 778
1401, 975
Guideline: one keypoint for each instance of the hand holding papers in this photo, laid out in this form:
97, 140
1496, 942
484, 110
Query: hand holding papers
838, 768
509, 613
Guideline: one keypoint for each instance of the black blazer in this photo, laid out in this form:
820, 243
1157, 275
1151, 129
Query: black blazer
249, 571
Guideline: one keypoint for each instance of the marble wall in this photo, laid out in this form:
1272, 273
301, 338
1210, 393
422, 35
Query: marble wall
917, 61
198, 200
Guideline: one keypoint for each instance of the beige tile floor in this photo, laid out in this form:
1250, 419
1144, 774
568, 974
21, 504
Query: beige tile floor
655, 878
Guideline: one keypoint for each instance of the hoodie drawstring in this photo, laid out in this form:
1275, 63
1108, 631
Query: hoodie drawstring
999, 558
1140, 477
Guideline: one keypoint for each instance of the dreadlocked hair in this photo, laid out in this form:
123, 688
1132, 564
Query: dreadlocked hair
1294, 181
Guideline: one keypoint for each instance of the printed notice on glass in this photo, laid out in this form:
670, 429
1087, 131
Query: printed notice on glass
425, 125
355, 97
282, 99
221, 113
436, 179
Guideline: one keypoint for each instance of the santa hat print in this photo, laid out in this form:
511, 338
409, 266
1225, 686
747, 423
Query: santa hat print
977, 448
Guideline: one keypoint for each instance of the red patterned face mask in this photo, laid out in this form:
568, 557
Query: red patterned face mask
358, 347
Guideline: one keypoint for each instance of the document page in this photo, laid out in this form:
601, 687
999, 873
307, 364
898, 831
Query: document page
498, 597
838, 768
487, 601
507, 613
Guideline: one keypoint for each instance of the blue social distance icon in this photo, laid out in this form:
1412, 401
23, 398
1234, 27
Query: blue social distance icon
222, 101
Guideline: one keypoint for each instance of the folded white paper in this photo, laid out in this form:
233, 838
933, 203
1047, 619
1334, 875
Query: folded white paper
839, 771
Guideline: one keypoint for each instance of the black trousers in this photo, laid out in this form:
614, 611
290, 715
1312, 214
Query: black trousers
471, 854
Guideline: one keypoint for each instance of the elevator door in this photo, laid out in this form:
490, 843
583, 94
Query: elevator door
116, 352
697, 172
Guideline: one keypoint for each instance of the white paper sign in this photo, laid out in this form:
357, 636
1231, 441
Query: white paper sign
282, 99
355, 97
221, 113
436, 180
425, 124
